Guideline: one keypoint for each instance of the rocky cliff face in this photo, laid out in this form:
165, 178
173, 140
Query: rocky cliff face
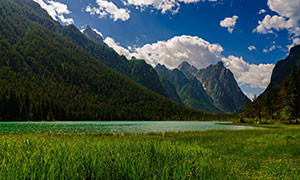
189, 89
219, 84
93, 35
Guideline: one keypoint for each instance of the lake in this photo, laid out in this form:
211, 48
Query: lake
114, 126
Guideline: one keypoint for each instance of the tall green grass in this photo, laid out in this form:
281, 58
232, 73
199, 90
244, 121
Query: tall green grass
247, 154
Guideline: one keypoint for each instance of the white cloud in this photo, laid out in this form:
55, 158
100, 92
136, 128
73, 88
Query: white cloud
174, 51
107, 8
164, 6
56, 10
252, 48
99, 33
262, 11
287, 19
257, 76
295, 41
229, 23
286, 8
273, 22
117, 47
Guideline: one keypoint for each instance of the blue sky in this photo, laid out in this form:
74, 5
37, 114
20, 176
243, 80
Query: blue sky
197, 31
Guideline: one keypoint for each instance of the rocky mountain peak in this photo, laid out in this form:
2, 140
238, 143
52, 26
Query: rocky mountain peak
93, 35
221, 86
220, 64
188, 69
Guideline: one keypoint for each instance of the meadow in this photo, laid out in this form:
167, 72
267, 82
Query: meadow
270, 153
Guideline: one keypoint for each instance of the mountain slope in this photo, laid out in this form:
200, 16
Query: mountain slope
46, 77
284, 67
112, 59
144, 74
190, 91
281, 100
106, 55
220, 85
170, 90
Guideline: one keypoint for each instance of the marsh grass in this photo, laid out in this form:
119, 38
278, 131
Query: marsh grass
245, 154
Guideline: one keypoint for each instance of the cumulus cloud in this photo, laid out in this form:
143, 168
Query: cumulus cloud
107, 8
229, 23
287, 19
56, 10
178, 49
164, 6
252, 48
273, 22
289, 9
257, 76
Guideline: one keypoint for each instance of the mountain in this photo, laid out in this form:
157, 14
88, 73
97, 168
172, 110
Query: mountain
189, 90
281, 99
284, 67
112, 59
93, 35
146, 75
219, 84
170, 90
44, 76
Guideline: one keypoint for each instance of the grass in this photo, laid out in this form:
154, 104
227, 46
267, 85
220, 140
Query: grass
245, 154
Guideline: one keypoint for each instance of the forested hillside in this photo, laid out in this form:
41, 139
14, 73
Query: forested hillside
281, 100
43, 76
113, 60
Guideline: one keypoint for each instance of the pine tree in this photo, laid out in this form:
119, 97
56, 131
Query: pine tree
291, 103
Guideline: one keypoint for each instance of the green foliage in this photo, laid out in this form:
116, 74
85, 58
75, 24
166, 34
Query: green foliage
281, 103
255, 154
137, 70
43, 76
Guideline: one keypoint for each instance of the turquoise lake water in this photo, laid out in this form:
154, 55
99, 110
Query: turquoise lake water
113, 126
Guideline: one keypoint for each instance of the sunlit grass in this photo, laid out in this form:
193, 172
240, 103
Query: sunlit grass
245, 154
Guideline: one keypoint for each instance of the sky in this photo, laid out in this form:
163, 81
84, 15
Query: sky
248, 36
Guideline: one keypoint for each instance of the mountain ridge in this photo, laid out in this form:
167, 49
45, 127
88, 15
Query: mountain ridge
219, 84
44, 76
189, 89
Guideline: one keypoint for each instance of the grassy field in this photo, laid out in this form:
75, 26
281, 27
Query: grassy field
245, 154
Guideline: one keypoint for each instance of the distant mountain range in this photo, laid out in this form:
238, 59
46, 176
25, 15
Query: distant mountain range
189, 90
212, 89
220, 84
222, 93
